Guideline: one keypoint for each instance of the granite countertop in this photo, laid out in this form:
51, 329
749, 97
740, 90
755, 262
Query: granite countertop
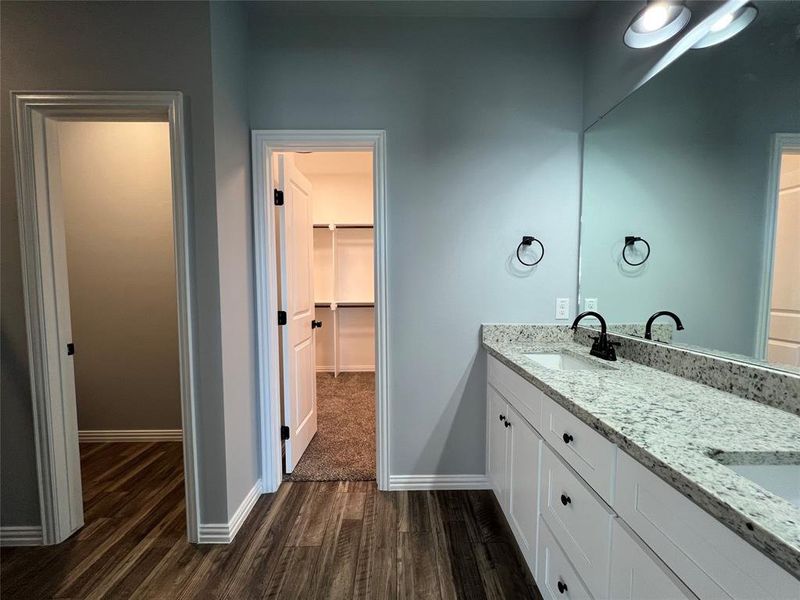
674, 427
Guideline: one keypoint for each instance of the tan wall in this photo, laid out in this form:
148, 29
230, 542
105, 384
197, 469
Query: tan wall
116, 185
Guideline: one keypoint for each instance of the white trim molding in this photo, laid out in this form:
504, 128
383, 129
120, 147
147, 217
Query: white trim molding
130, 435
265, 142
25, 535
438, 482
223, 533
54, 411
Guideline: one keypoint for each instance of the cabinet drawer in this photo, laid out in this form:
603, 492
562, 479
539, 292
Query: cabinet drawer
638, 575
554, 569
579, 520
708, 557
589, 453
523, 395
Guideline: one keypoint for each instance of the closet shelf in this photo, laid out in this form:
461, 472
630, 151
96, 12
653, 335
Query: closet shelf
343, 225
345, 304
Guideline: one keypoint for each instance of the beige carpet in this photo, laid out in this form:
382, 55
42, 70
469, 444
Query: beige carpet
344, 447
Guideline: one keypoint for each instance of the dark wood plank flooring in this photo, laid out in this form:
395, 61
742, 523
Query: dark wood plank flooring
308, 540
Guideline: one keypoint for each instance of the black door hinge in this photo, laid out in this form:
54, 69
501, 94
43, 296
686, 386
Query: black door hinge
278, 195
284, 432
70, 349
281, 317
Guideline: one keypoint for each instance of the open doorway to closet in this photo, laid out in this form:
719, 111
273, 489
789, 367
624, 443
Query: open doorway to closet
325, 266
351, 317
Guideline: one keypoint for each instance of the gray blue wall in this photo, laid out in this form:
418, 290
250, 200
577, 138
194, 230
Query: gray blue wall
684, 162
114, 46
235, 235
483, 121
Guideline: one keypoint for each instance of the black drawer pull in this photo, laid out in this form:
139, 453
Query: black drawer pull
565, 499
567, 438
562, 587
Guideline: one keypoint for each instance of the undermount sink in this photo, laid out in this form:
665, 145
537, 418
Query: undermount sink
562, 361
775, 473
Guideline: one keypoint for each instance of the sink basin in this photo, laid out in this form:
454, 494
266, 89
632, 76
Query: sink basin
561, 361
773, 472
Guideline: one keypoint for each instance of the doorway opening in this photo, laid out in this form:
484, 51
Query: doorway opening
321, 269
783, 337
102, 206
326, 282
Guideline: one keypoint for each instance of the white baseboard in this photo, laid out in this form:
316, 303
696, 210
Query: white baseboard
223, 533
130, 435
438, 482
27, 535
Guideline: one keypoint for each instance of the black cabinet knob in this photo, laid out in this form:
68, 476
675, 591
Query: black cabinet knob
502, 417
507, 423
565, 499
567, 438
562, 587
316, 324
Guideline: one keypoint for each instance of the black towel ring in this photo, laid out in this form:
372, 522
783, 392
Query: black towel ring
527, 240
630, 240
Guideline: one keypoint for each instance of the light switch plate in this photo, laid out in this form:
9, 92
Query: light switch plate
590, 304
562, 308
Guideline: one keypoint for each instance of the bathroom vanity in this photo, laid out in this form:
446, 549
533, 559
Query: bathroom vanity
620, 480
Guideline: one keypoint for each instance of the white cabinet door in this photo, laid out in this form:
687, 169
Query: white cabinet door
497, 447
523, 484
636, 575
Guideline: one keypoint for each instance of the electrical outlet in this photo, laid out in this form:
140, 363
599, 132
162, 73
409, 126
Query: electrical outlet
562, 308
590, 304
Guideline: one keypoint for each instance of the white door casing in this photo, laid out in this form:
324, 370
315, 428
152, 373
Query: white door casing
297, 300
46, 291
265, 144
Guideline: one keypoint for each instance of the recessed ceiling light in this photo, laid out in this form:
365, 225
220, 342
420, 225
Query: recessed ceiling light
728, 26
656, 23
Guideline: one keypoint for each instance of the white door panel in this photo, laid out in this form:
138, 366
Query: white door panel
297, 299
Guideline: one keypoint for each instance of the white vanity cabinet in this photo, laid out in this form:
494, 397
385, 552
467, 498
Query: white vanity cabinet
594, 523
637, 574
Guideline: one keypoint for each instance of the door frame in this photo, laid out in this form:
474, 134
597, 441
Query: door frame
781, 142
54, 425
265, 142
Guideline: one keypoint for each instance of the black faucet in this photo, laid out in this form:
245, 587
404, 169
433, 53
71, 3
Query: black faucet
648, 333
602, 348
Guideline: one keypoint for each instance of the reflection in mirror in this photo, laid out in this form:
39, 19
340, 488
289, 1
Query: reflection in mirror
700, 169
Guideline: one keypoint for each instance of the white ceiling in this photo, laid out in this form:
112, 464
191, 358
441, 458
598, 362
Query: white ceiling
334, 163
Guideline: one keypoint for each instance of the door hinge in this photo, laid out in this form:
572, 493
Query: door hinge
281, 317
278, 195
70, 349
284, 432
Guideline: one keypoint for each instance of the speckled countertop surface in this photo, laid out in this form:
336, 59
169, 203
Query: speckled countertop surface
674, 426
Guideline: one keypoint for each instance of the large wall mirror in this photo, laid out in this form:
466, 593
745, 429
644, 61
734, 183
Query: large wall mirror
700, 167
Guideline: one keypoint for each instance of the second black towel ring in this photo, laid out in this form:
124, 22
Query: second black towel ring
527, 240
630, 240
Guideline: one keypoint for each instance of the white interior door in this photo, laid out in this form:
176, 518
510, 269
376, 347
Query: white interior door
783, 345
297, 300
